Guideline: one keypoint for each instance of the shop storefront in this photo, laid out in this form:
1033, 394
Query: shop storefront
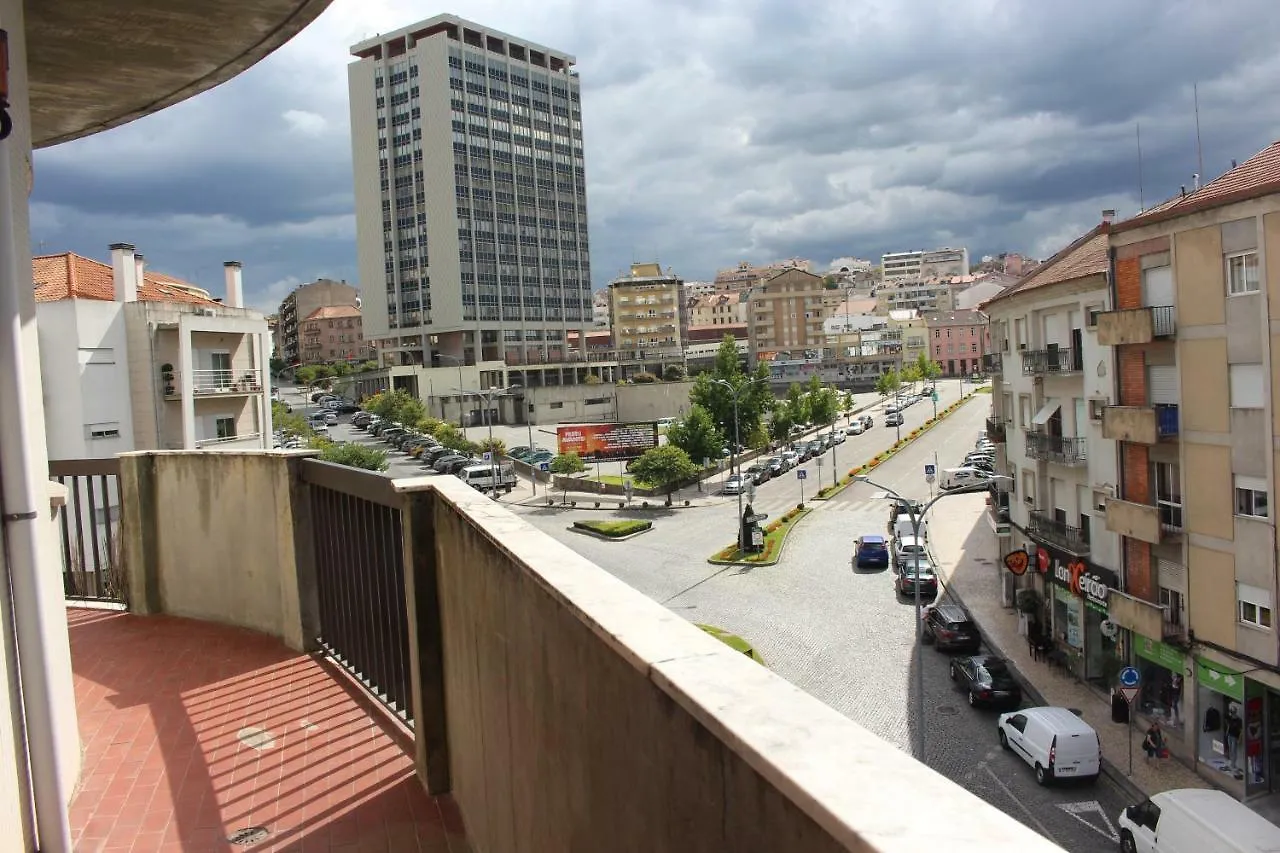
1079, 611
1164, 674
1229, 747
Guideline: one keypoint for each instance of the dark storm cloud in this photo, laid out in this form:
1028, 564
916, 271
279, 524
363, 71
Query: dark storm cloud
722, 130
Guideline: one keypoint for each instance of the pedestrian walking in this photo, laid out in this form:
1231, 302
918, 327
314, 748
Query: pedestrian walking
1153, 743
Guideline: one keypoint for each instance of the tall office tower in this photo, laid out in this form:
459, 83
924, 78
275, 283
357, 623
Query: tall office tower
471, 205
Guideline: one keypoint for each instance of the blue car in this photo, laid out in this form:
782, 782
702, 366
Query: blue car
871, 552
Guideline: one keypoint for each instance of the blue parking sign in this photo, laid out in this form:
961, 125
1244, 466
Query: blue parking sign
930, 470
802, 474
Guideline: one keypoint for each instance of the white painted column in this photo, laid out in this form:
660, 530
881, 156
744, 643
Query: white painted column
264, 399
186, 367
35, 649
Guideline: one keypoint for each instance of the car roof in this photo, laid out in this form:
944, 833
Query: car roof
872, 540
904, 541
1062, 719
953, 613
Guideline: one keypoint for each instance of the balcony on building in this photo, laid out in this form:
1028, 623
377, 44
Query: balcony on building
993, 363
369, 638
1136, 325
1052, 361
1152, 523
1140, 424
1055, 531
996, 426
1058, 449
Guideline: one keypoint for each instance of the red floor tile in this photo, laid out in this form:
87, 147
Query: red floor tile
162, 702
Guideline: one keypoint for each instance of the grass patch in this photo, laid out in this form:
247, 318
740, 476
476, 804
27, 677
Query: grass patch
734, 642
611, 479
985, 389
614, 529
775, 533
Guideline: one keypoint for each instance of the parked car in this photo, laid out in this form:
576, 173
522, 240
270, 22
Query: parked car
955, 478
837, 437
855, 428
432, 455
871, 552
909, 576
1054, 741
776, 465
907, 548
987, 681
481, 476
758, 473
894, 419
443, 463
892, 408
902, 527
790, 458
904, 507
734, 484
1189, 820
867, 422
361, 419
950, 628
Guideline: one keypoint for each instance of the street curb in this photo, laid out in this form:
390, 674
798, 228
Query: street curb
1109, 769
942, 416
781, 548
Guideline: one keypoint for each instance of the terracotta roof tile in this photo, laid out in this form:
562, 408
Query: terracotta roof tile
333, 312
1085, 256
1257, 176
72, 276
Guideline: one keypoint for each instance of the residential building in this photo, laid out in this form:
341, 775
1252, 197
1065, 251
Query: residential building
471, 201
915, 295
1050, 379
958, 340
717, 309
901, 265
785, 314
649, 319
746, 276
273, 326
984, 288
301, 303
912, 331
131, 359
1194, 308
599, 309
944, 263
334, 333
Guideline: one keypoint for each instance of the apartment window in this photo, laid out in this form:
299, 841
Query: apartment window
1168, 480
1251, 496
1172, 599
102, 430
1248, 386
1242, 273
1029, 487
1024, 411
1255, 605
224, 427
1091, 313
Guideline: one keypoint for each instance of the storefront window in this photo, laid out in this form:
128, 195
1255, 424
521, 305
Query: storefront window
1163, 670
1220, 704
1066, 617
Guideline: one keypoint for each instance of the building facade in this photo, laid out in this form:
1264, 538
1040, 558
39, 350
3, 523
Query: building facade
333, 334
958, 340
785, 314
1193, 321
717, 309
300, 304
471, 202
915, 295
648, 318
901, 265
155, 365
944, 263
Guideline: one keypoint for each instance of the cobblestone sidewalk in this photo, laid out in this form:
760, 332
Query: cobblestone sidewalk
964, 545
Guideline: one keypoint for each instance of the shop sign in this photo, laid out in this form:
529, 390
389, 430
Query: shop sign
1220, 679
1161, 654
1016, 562
1090, 582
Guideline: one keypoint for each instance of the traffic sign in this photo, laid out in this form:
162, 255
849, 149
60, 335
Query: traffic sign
544, 466
1130, 693
802, 474
930, 469
488, 456
1130, 677
759, 516
935, 396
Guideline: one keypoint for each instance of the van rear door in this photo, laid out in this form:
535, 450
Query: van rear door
1075, 754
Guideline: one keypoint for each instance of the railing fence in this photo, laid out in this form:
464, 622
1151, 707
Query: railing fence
89, 528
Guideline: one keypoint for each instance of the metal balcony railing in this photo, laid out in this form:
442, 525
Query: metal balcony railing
89, 527
996, 429
1166, 420
213, 443
1170, 512
1054, 532
1050, 361
237, 380
1162, 321
1056, 448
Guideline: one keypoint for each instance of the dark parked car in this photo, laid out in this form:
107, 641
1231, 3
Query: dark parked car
987, 680
949, 627
871, 552
906, 578
776, 465
759, 474
899, 506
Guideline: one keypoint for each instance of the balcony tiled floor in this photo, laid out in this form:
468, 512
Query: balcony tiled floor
192, 731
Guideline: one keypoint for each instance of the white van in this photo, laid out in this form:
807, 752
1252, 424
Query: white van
955, 478
480, 476
1192, 820
902, 527
1054, 741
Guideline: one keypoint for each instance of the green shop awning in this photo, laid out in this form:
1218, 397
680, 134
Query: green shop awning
1161, 654
1218, 678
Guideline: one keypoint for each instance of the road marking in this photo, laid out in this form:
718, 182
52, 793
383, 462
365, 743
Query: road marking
1078, 810
1018, 802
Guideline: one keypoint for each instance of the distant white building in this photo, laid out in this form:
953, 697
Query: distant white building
134, 360
921, 264
600, 309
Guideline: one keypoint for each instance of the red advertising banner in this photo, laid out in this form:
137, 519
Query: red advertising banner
607, 441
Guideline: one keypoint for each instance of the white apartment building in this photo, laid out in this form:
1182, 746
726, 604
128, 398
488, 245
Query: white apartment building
921, 264
1051, 382
915, 295
134, 360
901, 265
717, 309
471, 205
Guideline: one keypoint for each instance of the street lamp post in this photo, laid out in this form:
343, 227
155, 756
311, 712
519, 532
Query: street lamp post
735, 395
487, 398
916, 519
458, 361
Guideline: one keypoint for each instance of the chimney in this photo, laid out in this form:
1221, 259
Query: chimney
235, 286
1233, 163
142, 269
1195, 180
124, 272
1107, 216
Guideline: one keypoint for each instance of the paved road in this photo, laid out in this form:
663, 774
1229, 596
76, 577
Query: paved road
843, 635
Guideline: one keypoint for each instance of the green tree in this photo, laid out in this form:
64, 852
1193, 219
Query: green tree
644, 377
753, 401
797, 405
305, 375
888, 383
928, 368
325, 371
288, 422
824, 405
780, 423
592, 379
277, 365
664, 468
674, 373
354, 455
697, 435
568, 464
397, 406
496, 446
366, 366
848, 404
341, 368
911, 375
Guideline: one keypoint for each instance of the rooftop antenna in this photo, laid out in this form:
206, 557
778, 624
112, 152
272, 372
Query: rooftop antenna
1142, 204
1195, 94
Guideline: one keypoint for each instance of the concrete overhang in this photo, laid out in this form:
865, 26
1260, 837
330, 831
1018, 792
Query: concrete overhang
94, 65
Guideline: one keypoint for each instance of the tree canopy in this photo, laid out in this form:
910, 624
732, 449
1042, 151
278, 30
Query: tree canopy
664, 467
715, 392
697, 435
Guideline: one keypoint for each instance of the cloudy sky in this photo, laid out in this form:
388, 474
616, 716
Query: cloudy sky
719, 131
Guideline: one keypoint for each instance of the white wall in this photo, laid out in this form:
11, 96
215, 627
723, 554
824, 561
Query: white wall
85, 378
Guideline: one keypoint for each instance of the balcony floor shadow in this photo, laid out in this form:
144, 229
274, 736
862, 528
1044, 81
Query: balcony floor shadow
191, 731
